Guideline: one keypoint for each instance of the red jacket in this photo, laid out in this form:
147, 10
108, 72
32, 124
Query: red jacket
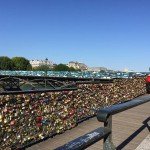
148, 78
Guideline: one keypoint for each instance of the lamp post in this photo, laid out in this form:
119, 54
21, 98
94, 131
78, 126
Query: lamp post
46, 60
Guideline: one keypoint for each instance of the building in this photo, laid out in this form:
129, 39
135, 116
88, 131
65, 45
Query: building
97, 69
77, 65
37, 63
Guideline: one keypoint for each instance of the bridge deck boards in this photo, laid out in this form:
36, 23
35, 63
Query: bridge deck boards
125, 124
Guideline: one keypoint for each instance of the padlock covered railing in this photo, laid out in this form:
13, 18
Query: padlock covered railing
105, 133
26, 118
103, 114
74, 74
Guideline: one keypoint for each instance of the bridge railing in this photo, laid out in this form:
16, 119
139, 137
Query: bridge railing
86, 140
104, 115
28, 116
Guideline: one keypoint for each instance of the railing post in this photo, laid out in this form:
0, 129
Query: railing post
108, 144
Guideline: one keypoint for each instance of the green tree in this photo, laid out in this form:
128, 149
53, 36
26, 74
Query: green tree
5, 63
72, 69
61, 67
102, 71
21, 63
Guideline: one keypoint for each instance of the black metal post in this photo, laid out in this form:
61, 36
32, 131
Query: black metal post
108, 144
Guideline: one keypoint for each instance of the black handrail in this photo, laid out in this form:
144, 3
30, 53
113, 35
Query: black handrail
104, 113
86, 140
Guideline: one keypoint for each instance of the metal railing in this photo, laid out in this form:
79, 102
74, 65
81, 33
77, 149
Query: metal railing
76, 74
14, 85
86, 140
30, 84
104, 115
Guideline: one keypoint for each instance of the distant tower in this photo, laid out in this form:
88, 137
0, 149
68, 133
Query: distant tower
46, 59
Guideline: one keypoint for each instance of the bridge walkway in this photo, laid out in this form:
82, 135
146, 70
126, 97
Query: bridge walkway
129, 130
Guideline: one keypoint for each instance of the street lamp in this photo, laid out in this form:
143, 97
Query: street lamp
46, 67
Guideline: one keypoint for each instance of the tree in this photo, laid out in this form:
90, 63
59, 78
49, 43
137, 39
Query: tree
5, 63
72, 69
21, 63
61, 67
102, 71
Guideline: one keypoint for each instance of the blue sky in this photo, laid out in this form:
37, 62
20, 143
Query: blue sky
109, 33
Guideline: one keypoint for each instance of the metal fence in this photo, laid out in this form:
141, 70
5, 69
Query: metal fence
27, 117
76, 74
104, 115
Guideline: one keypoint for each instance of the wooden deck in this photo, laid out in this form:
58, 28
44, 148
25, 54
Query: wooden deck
129, 130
